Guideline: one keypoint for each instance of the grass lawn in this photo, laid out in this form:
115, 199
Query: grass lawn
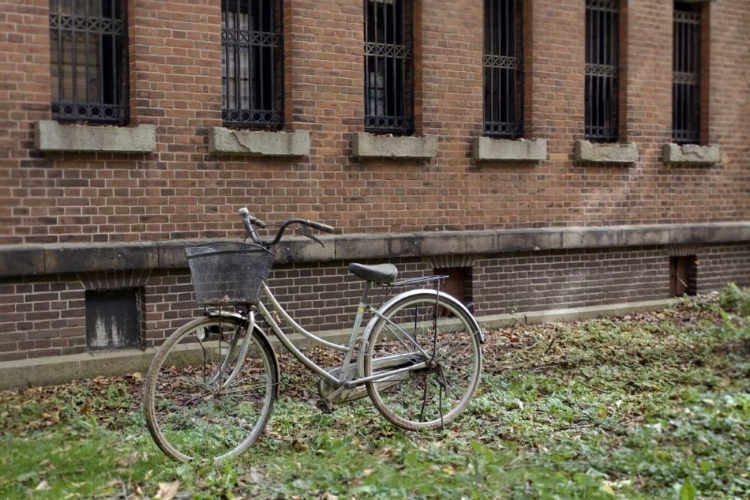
650, 405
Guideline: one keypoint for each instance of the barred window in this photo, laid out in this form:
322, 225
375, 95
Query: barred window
252, 64
389, 88
602, 58
503, 68
88, 59
686, 72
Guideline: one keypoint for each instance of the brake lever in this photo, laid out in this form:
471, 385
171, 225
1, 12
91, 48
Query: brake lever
305, 231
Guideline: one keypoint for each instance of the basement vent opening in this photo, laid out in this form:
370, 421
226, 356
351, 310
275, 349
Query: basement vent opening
458, 284
683, 275
113, 319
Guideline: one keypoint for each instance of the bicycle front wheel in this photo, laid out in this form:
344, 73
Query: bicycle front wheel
433, 332
197, 406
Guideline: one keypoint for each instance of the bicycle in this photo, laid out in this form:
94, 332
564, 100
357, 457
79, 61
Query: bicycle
211, 386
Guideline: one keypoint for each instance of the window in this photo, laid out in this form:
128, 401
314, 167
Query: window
602, 57
503, 68
88, 55
252, 64
389, 85
686, 69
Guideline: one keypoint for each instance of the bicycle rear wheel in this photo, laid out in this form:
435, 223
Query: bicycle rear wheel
423, 328
195, 409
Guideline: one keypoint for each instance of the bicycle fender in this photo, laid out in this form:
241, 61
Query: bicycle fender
225, 314
263, 337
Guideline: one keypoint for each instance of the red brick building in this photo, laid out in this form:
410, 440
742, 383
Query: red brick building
548, 153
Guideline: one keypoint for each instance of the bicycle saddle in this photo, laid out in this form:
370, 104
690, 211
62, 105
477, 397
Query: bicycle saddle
381, 273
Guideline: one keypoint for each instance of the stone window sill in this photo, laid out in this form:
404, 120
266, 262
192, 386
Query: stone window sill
691, 154
366, 145
50, 135
488, 149
246, 142
594, 152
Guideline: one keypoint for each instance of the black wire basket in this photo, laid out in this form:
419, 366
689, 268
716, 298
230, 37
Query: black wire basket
228, 273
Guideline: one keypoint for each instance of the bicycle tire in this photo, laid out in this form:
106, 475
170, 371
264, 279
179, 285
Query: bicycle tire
431, 397
189, 415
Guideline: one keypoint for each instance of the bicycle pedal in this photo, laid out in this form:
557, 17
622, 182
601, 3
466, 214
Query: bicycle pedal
325, 406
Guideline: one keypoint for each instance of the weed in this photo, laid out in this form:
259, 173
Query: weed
650, 405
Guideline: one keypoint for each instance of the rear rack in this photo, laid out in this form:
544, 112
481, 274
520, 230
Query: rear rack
418, 281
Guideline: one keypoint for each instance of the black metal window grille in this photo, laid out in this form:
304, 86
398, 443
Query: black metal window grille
602, 59
503, 68
686, 73
89, 61
389, 83
252, 63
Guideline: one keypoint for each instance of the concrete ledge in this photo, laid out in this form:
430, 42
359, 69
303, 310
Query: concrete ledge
61, 369
366, 145
594, 152
486, 149
691, 153
50, 135
20, 260
245, 142
575, 313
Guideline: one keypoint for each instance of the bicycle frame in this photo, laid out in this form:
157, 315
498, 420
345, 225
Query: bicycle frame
344, 381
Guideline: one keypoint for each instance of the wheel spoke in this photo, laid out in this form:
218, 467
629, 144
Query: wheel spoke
433, 396
189, 411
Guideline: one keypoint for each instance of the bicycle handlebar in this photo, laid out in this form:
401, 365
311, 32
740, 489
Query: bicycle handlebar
249, 221
320, 226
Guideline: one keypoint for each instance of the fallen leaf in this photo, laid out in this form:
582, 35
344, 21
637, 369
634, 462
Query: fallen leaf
129, 460
608, 489
298, 445
137, 491
42, 486
167, 491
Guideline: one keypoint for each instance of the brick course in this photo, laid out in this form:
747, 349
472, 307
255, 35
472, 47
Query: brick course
43, 316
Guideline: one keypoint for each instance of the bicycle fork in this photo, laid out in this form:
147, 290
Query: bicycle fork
230, 352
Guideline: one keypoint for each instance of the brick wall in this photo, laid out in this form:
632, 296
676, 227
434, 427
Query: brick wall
183, 191
42, 316
526, 281
718, 264
24, 98
46, 316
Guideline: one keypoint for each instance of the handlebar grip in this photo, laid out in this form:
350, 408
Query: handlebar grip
320, 226
248, 219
